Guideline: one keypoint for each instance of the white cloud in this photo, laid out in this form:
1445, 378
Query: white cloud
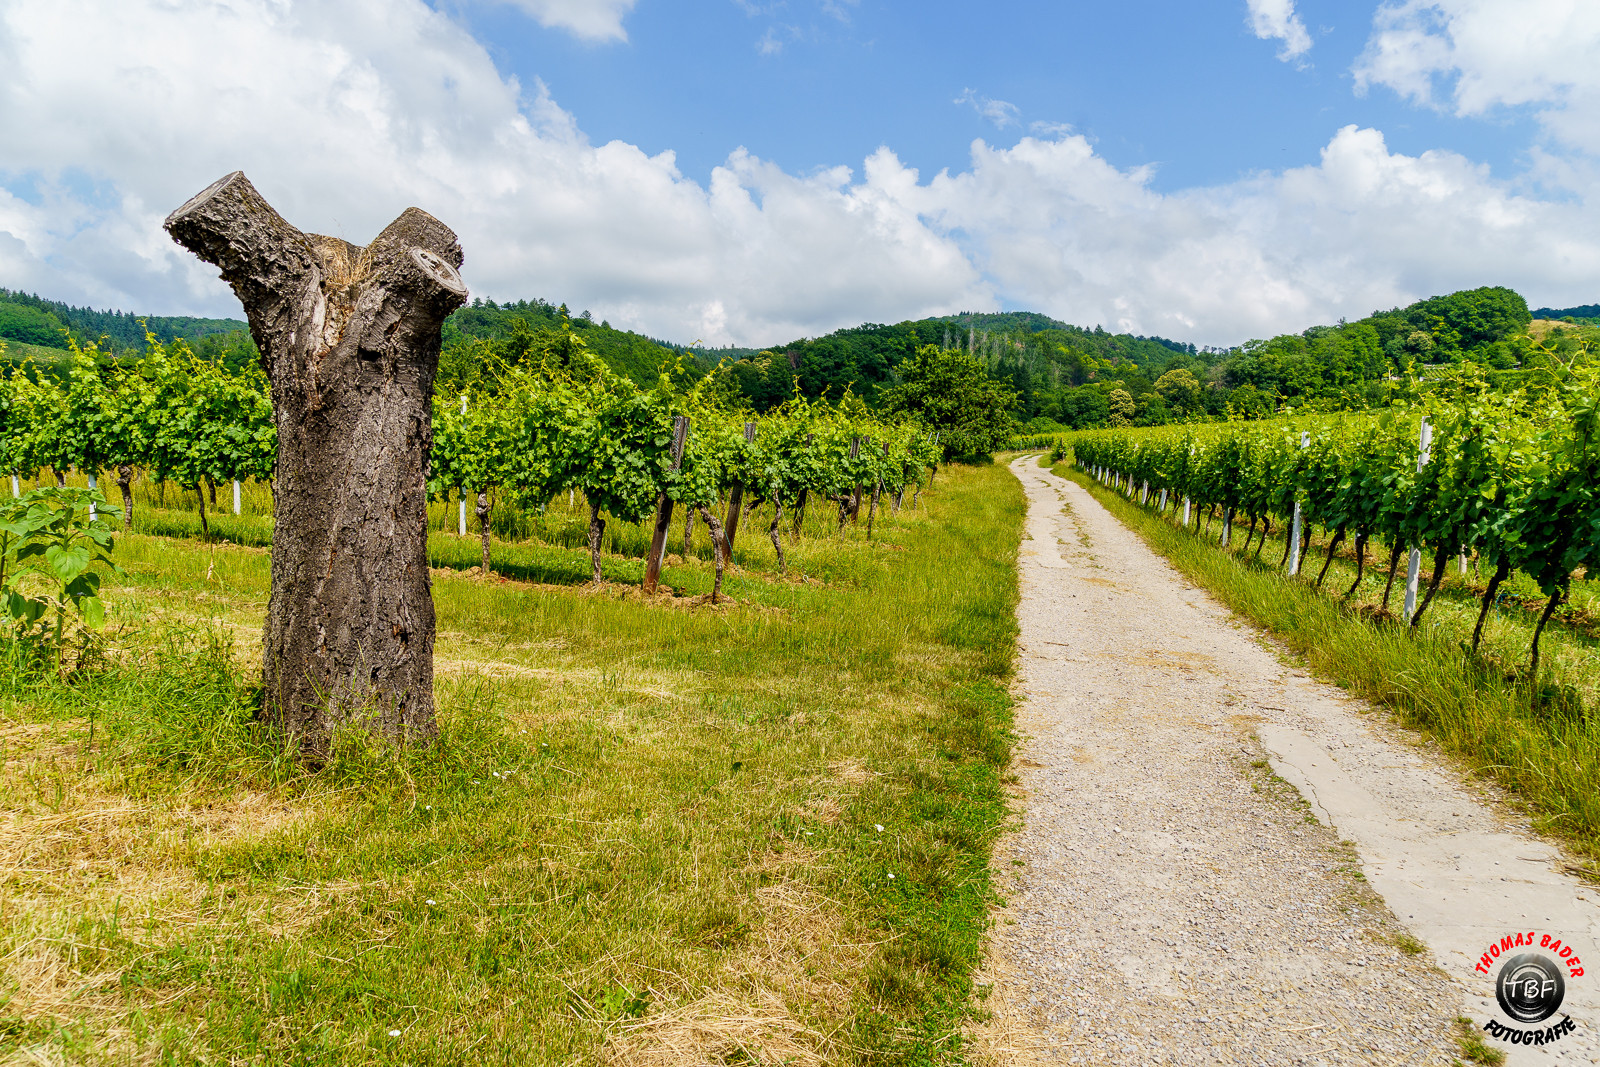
1474, 56
592, 20
345, 116
999, 112
1276, 20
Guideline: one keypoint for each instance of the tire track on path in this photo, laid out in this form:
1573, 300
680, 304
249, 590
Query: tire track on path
1174, 901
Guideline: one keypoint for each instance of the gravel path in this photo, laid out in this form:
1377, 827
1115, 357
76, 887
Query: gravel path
1175, 900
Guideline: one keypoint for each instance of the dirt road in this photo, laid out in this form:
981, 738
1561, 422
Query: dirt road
1176, 900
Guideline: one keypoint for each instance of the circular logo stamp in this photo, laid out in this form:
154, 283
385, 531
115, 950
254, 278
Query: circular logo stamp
1530, 987
1530, 972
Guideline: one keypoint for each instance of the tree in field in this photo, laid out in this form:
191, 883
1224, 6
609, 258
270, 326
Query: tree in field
1120, 401
953, 395
1181, 390
349, 341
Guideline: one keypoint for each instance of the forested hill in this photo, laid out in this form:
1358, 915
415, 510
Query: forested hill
1071, 376
484, 331
34, 320
473, 336
1588, 314
1030, 349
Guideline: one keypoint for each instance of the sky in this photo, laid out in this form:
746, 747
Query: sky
752, 171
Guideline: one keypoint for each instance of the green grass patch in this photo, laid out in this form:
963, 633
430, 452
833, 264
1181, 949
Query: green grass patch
756, 833
1478, 707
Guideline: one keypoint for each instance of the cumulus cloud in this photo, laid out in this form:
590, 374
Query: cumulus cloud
1276, 20
999, 112
343, 115
1473, 56
592, 20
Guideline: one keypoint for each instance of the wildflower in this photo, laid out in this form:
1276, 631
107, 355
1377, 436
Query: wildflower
432, 901
878, 826
891, 876
394, 1033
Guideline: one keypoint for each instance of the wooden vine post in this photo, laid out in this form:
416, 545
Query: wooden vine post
800, 500
349, 339
658, 539
736, 495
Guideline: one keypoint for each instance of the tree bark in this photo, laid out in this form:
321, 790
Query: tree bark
1538, 631
799, 514
1361, 563
736, 497
125, 483
1502, 571
482, 511
1441, 556
872, 510
658, 537
349, 340
688, 530
1333, 546
719, 550
205, 528
1394, 565
597, 530
777, 544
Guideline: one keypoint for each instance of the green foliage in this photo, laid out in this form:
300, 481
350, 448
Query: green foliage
953, 395
34, 320
53, 544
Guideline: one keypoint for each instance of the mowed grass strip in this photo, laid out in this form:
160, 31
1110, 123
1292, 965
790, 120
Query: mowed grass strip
1479, 708
648, 833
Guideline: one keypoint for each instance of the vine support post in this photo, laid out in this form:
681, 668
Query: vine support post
855, 497
1186, 506
1414, 566
658, 540
1294, 527
461, 491
16, 490
236, 496
94, 483
730, 528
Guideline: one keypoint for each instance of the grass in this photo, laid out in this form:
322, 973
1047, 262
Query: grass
650, 831
1478, 707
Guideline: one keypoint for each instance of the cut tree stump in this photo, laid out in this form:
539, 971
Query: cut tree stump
349, 339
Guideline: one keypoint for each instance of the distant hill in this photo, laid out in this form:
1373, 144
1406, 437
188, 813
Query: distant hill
1588, 313
634, 356
35, 320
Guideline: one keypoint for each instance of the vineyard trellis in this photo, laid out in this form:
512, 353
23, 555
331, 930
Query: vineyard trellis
563, 424
1512, 479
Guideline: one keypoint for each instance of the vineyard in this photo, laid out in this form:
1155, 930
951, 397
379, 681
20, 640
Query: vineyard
565, 430
1509, 481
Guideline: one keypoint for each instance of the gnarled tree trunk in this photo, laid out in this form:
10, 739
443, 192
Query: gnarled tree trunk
349, 339
125, 483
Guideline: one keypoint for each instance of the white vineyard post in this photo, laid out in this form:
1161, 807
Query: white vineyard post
94, 483
236, 496
1186, 513
1144, 494
461, 513
1462, 563
16, 490
1161, 508
1227, 525
1294, 532
1414, 567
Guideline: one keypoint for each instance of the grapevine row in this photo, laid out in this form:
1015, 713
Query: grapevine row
1513, 478
566, 424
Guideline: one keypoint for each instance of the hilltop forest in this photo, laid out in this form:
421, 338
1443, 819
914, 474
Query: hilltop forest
1063, 376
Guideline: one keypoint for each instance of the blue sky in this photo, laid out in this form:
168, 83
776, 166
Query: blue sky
751, 171
1186, 87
